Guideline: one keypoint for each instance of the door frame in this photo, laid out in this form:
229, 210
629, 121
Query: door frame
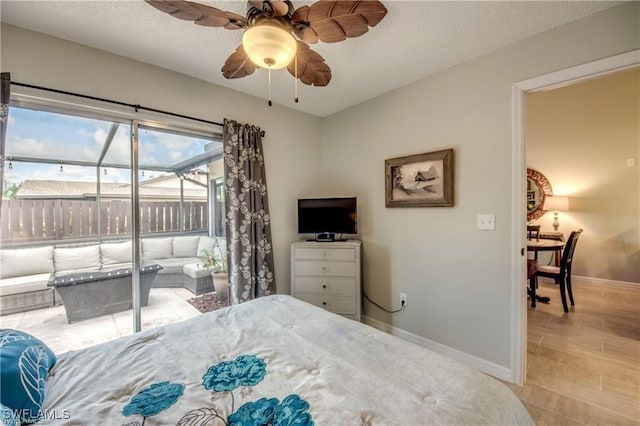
519, 92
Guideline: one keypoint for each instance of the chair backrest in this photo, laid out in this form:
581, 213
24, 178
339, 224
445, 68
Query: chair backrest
569, 249
533, 231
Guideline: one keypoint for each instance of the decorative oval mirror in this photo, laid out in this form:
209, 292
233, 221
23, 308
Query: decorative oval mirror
538, 188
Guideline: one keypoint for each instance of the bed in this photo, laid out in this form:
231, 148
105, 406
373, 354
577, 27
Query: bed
274, 360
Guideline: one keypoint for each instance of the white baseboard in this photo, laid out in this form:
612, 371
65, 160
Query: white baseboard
602, 281
483, 365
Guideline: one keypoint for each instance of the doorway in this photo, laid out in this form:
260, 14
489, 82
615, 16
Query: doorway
519, 91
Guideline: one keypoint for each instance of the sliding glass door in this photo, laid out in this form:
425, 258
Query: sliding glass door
100, 216
65, 220
173, 218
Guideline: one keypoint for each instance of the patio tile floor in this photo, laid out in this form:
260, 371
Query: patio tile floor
166, 305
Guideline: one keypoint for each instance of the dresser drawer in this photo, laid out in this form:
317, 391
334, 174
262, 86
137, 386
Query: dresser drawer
341, 254
334, 286
337, 304
328, 269
328, 275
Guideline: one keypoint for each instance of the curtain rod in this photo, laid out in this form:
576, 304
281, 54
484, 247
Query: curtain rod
136, 107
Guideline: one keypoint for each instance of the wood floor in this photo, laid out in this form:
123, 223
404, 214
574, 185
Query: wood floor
583, 368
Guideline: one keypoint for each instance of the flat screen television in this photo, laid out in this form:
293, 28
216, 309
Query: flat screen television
326, 217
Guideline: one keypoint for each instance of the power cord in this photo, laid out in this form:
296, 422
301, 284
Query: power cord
385, 309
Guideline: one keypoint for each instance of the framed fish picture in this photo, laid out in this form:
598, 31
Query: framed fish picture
421, 180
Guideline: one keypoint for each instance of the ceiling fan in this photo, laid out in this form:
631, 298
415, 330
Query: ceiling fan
269, 29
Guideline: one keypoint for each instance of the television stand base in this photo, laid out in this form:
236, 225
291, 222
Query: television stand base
327, 237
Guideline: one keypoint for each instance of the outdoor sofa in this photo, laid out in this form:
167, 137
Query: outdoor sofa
25, 272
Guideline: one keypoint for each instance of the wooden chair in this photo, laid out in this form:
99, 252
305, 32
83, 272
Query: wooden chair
533, 231
532, 268
561, 274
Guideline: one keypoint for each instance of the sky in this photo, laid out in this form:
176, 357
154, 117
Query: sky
61, 137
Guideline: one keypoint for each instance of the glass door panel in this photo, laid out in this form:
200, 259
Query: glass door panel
65, 220
174, 216
67, 211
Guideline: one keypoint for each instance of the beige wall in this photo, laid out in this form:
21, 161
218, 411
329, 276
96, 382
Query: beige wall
457, 278
580, 138
39, 59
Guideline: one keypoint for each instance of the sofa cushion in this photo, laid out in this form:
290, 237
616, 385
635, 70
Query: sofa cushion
76, 258
185, 246
172, 265
207, 243
114, 253
195, 270
24, 366
115, 266
157, 248
23, 284
29, 261
204, 243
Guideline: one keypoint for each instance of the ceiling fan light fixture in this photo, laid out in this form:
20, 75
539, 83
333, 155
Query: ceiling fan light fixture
269, 46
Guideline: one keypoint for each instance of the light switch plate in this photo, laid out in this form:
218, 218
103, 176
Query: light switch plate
487, 222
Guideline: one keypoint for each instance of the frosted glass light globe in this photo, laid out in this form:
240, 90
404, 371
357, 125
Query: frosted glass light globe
269, 46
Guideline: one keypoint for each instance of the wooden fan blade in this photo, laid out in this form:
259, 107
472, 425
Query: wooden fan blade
280, 8
301, 26
312, 69
200, 14
238, 65
336, 20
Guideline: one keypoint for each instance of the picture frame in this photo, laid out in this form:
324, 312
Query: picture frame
420, 180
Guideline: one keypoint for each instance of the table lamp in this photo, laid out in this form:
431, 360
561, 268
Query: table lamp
557, 204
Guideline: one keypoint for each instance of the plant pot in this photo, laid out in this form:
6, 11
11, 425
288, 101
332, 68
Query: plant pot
221, 285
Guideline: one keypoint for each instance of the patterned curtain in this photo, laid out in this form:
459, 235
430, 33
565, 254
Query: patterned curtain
5, 90
248, 227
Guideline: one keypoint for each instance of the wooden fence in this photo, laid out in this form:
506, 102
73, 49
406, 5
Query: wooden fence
51, 220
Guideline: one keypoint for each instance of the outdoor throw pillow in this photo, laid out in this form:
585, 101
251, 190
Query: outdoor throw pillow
24, 364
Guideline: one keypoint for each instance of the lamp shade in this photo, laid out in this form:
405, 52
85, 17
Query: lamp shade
269, 46
555, 203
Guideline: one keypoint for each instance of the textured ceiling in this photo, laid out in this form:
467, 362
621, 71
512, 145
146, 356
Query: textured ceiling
415, 39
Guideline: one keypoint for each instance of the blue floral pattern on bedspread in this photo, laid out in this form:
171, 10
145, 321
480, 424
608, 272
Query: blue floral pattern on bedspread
246, 370
223, 379
154, 399
291, 411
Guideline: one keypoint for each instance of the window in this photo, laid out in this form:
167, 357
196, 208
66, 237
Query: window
81, 165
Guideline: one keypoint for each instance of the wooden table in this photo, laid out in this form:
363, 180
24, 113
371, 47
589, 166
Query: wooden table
546, 245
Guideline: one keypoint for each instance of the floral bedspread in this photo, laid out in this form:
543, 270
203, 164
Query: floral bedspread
272, 361
223, 379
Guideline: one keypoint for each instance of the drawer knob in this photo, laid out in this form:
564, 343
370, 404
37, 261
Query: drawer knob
324, 303
324, 286
324, 269
324, 254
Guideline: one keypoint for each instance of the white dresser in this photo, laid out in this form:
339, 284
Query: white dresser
328, 275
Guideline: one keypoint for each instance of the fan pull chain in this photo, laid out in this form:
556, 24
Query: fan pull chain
270, 87
295, 65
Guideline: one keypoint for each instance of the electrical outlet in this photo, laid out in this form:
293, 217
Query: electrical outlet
403, 299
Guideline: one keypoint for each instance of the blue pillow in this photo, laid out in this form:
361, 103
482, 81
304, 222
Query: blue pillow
24, 364
8, 417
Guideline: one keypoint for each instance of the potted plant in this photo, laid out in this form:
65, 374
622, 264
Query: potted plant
216, 260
